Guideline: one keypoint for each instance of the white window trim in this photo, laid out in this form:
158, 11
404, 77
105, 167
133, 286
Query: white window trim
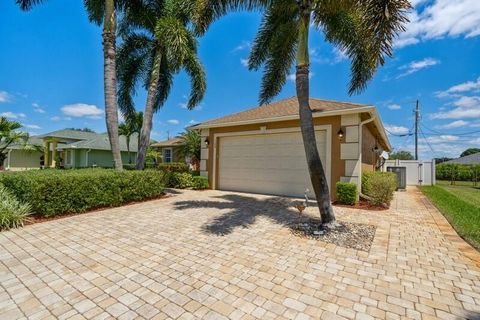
264, 130
171, 155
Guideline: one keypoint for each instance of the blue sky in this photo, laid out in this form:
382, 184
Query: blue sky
51, 73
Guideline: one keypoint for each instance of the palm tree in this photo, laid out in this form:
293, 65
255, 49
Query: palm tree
364, 30
191, 146
157, 43
104, 11
9, 135
132, 125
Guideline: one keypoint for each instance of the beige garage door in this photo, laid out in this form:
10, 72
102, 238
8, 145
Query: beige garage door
267, 163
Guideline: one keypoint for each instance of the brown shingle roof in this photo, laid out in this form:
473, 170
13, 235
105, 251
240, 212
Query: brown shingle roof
168, 143
282, 108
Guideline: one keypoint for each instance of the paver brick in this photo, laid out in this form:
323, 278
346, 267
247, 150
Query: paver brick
165, 259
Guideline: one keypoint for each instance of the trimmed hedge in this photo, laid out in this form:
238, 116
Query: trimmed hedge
180, 180
174, 167
200, 183
13, 213
347, 193
379, 186
53, 192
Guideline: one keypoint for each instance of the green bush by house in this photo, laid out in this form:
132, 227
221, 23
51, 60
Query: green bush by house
379, 186
174, 167
180, 180
199, 183
347, 193
53, 192
12, 212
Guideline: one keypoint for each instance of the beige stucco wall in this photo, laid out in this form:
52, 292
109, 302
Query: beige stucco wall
337, 164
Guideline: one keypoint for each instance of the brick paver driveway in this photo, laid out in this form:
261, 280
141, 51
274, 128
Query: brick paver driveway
216, 255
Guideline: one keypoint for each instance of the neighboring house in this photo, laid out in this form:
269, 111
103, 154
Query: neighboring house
170, 150
73, 148
260, 150
470, 159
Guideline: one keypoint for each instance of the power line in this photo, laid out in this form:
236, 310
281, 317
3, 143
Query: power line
428, 143
452, 134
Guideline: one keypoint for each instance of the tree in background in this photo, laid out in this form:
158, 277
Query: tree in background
158, 42
470, 151
191, 146
401, 155
9, 135
363, 30
131, 126
104, 11
81, 129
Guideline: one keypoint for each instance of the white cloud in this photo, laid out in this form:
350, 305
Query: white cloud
31, 126
442, 139
82, 110
465, 107
13, 115
394, 106
5, 96
393, 129
242, 46
37, 108
244, 62
173, 121
339, 55
55, 118
475, 141
193, 122
453, 125
441, 18
416, 66
461, 88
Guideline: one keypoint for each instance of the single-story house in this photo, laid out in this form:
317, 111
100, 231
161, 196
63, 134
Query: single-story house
170, 149
73, 148
470, 159
260, 150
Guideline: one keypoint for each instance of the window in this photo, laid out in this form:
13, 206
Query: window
167, 155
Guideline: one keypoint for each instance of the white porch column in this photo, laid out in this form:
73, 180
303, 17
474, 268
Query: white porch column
204, 152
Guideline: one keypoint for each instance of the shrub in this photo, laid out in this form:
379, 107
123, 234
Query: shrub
53, 192
457, 172
347, 193
379, 186
199, 183
12, 212
180, 180
174, 167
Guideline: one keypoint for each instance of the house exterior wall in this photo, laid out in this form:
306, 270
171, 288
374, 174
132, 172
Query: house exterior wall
102, 158
176, 156
369, 157
21, 160
337, 164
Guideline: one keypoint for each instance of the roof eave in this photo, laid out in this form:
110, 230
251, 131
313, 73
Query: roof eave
316, 114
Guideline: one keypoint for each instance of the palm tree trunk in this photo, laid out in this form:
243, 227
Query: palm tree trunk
148, 114
315, 168
110, 81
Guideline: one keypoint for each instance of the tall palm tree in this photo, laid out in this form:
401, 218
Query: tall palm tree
9, 135
104, 11
158, 42
364, 30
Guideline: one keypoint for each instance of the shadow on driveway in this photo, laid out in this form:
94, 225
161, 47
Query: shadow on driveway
243, 211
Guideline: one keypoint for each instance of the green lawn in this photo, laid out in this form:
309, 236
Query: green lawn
460, 204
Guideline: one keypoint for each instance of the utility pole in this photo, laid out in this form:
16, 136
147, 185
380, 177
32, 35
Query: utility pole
417, 120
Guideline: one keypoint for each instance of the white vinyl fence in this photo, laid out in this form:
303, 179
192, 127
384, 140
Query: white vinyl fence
419, 172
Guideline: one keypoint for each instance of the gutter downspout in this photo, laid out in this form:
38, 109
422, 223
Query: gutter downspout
86, 157
360, 146
8, 158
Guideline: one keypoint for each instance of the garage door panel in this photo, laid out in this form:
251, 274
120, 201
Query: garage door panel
267, 163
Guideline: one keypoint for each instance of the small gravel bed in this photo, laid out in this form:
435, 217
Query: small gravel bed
345, 234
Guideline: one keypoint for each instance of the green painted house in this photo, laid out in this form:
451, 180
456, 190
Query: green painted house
70, 149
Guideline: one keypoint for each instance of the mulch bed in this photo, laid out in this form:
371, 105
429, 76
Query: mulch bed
362, 205
39, 218
345, 234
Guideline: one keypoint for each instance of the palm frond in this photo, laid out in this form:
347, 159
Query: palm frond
195, 70
165, 82
26, 5
346, 24
131, 67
